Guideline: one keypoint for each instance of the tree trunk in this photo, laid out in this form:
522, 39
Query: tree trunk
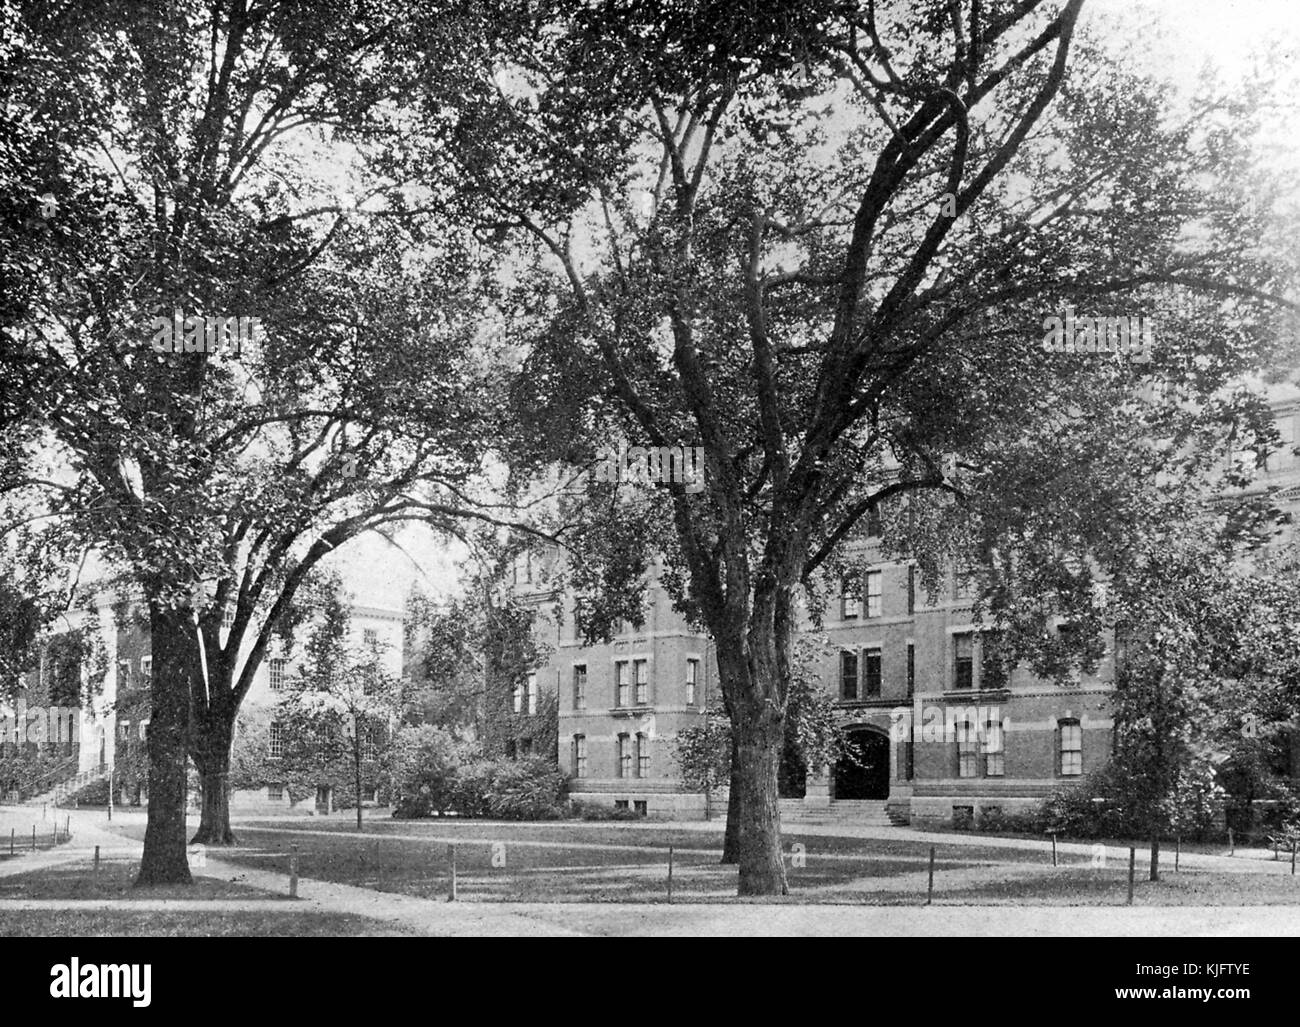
1155, 858
356, 767
164, 860
212, 757
731, 838
762, 864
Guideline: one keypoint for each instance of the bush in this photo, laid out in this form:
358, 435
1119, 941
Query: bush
422, 771
531, 789
1022, 821
474, 782
580, 809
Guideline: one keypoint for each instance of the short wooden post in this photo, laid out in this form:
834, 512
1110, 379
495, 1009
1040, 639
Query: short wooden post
451, 860
929, 896
33, 838
1053, 848
54, 833
12, 833
1293, 841
1132, 870
1178, 848
1232, 844
97, 859
293, 872
670, 873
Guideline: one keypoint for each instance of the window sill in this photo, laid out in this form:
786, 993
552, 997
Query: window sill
631, 711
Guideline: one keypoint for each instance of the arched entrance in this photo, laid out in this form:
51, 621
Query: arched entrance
864, 772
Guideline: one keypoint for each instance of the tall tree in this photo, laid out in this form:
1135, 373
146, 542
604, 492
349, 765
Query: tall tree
820, 240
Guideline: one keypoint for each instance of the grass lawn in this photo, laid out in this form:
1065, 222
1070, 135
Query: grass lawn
58, 923
115, 880
584, 862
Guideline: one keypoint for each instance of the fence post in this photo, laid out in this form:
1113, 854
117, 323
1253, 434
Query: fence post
1232, 845
1293, 841
1053, 848
33, 838
12, 833
1132, 870
96, 859
451, 859
293, 872
1178, 848
670, 873
54, 829
929, 896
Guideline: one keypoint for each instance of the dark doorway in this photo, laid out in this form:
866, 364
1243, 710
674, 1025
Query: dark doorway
323, 799
864, 773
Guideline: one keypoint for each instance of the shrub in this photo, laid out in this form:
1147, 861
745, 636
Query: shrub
531, 789
422, 771
581, 809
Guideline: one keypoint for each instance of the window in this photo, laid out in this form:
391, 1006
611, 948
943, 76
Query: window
692, 679
517, 697
525, 747
911, 590
621, 695
624, 756
965, 580
874, 579
577, 620
848, 675
580, 687
993, 668
641, 676
850, 596
963, 664
967, 749
275, 793
642, 755
123, 673
911, 670
146, 670
620, 804
275, 670
1071, 748
871, 673
639, 807
532, 693
512, 749
228, 617
275, 748
579, 755
1068, 635
875, 527
994, 746
369, 739
370, 636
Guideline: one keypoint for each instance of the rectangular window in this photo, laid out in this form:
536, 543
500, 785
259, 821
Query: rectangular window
641, 677
579, 755
639, 807
123, 673
146, 670
532, 693
642, 756
275, 671
620, 804
1071, 748
275, 745
850, 596
963, 670
692, 680
965, 580
911, 590
517, 697
848, 675
228, 617
911, 670
580, 687
967, 749
875, 525
874, 595
993, 668
1068, 635
621, 685
871, 673
624, 756
994, 746
275, 793
370, 636
369, 735
525, 747
512, 749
